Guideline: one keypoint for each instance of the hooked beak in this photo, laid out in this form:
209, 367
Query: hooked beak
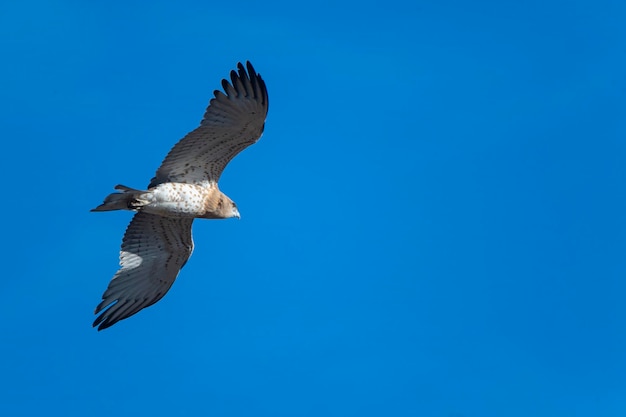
236, 213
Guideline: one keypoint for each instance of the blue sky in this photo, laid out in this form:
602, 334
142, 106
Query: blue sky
433, 224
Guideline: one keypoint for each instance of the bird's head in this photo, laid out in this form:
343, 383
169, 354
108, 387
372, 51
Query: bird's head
226, 208
221, 207
235, 212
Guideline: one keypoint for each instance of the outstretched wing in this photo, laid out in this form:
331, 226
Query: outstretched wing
154, 249
232, 122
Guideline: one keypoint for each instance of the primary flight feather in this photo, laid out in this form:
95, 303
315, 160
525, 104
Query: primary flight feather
158, 241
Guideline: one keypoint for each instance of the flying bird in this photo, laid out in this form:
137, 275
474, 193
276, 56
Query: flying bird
158, 241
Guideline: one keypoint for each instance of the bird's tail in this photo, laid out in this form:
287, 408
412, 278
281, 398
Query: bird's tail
128, 199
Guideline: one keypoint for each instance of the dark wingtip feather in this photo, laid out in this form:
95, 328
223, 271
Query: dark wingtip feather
250, 68
103, 320
98, 321
246, 75
105, 324
244, 82
242, 70
257, 80
266, 97
233, 77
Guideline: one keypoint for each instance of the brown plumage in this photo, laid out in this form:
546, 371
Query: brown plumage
158, 241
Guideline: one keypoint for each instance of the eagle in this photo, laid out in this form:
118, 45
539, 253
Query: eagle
158, 241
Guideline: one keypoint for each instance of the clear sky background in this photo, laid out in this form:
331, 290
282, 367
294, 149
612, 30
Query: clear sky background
433, 224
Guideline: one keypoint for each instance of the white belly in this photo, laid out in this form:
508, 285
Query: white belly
173, 199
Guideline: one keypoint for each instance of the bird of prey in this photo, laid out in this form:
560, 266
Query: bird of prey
158, 242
